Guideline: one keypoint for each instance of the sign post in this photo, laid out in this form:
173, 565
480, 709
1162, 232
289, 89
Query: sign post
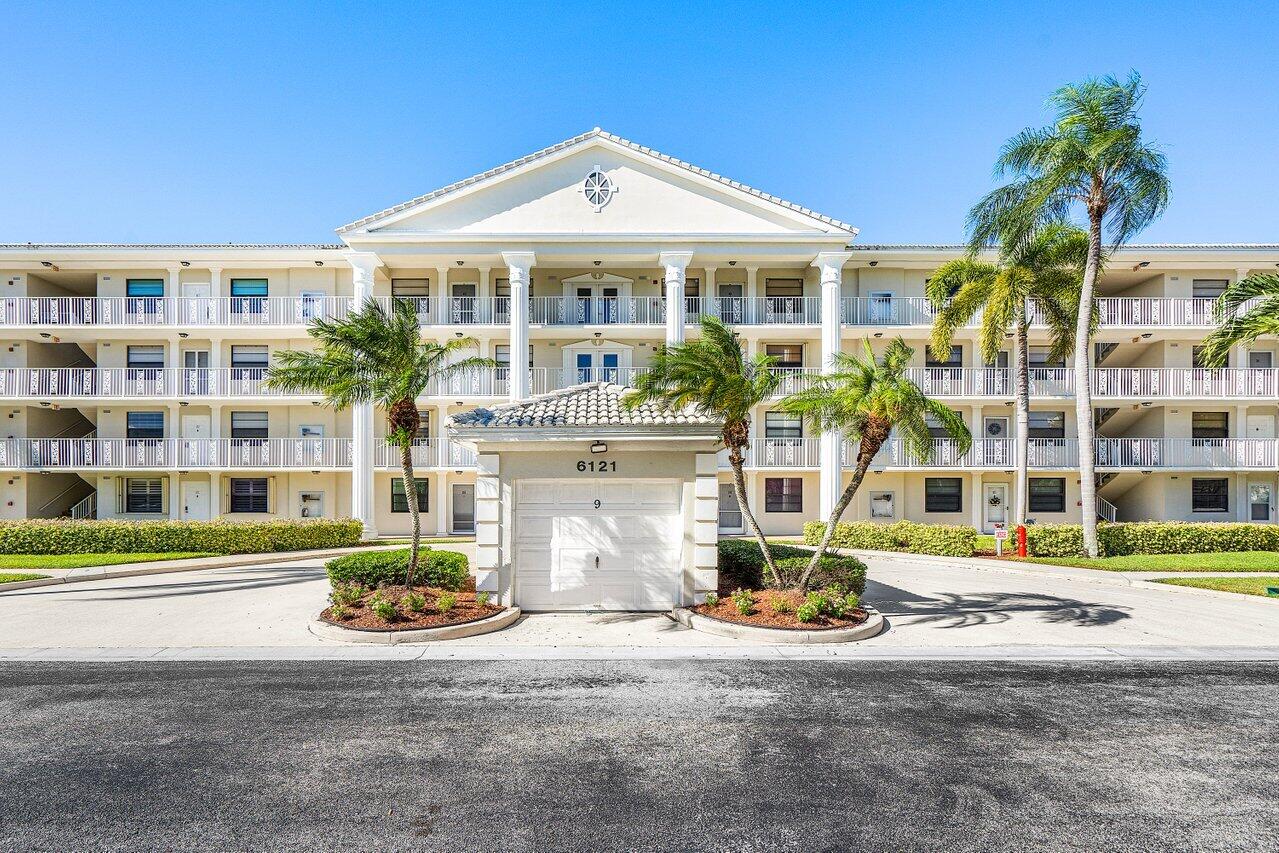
1001, 536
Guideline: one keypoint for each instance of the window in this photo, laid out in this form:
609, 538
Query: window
785, 355
1208, 288
411, 288
144, 287
398, 502
150, 357
1047, 494
784, 287
935, 428
955, 359
502, 355
783, 425
423, 425
1047, 425
248, 295
248, 425
1039, 358
1197, 357
1209, 425
783, 494
1209, 495
249, 361
249, 494
943, 494
143, 495
144, 425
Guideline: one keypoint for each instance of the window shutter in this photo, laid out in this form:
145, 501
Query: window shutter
119, 495
270, 495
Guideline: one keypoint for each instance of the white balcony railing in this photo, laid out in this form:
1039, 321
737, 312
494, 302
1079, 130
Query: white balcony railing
1186, 382
758, 310
169, 310
597, 310
778, 453
427, 453
1203, 453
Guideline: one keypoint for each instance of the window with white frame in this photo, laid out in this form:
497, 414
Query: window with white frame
1047, 494
144, 494
783, 425
250, 494
1209, 495
943, 494
784, 494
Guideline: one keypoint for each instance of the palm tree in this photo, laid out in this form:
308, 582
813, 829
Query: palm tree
372, 356
713, 376
1244, 327
1043, 276
1091, 157
865, 399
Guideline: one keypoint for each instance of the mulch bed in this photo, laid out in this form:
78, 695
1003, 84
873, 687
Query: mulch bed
764, 617
361, 618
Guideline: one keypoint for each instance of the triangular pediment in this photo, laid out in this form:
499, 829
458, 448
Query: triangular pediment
597, 184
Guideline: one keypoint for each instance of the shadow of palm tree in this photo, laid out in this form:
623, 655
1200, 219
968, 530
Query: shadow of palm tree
956, 610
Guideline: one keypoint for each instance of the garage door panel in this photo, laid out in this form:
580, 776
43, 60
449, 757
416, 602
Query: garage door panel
635, 533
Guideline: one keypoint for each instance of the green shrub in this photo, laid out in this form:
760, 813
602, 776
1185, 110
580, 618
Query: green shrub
63, 536
712, 599
780, 605
382, 608
446, 602
847, 572
741, 563
414, 602
947, 540
482, 598
744, 601
852, 601
339, 612
1152, 537
441, 569
806, 612
348, 594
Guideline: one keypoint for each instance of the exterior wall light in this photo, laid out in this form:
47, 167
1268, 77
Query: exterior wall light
599, 447
319, 263
185, 263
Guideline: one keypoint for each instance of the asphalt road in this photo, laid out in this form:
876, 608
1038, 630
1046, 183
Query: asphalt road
672, 755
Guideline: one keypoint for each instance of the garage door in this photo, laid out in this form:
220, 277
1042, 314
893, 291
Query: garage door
598, 544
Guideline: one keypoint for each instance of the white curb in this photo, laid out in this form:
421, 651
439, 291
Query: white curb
873, 625
496, 622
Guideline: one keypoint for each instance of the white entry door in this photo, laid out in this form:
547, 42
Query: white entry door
195, 501
463, 495
995, 497
598, 545
199, 303
1261, 426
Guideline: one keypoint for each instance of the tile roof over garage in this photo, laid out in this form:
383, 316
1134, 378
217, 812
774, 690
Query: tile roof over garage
592, 404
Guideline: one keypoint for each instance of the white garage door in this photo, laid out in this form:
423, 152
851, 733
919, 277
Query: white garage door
598, 544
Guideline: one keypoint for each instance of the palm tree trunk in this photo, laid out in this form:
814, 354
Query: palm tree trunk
736, 462
872, 441
410, 493
1021, 367
1083, 386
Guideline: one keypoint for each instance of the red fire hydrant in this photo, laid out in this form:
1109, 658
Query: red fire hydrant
1021, 540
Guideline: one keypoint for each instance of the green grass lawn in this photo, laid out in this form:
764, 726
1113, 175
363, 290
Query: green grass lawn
1241, 561
15, 577
1245, 586
78, 561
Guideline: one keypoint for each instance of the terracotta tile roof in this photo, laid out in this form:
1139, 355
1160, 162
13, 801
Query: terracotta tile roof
589, 404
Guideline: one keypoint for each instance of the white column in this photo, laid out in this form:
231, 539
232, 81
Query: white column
977, 500
215, 282
441, 518
709, 290
483, 290
488, 524
175, 496
704, 574
363, 267
830, 266
442, 284
674, 266
1242, 510
518, 265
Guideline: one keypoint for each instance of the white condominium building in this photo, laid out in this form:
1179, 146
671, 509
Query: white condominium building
132, 374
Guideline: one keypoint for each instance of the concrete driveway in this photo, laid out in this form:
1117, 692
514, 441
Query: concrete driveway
927, 607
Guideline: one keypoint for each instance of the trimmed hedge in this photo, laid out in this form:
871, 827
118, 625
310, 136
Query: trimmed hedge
1152, 537
741, 565
63, 536
946, 540
442, 569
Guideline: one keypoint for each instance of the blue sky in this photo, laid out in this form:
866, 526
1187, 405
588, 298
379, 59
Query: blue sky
263, 122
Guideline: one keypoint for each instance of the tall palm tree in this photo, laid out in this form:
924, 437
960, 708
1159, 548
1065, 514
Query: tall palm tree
1043, 277
1092, 157
1238, 326
865, 399
713, 376
379, 357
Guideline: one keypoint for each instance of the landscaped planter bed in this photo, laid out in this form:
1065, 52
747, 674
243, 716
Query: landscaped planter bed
764, 616
361, 618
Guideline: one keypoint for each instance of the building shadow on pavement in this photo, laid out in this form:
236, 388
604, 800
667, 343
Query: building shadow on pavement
127, 592
956, 610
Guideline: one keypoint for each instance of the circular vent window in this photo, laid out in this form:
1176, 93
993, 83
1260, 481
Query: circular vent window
598, 189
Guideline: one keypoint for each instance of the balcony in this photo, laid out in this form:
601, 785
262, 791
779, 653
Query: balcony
306, 454
135, 311
1147, 383
1115, 311
597, 311
1187, 453
757, 310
